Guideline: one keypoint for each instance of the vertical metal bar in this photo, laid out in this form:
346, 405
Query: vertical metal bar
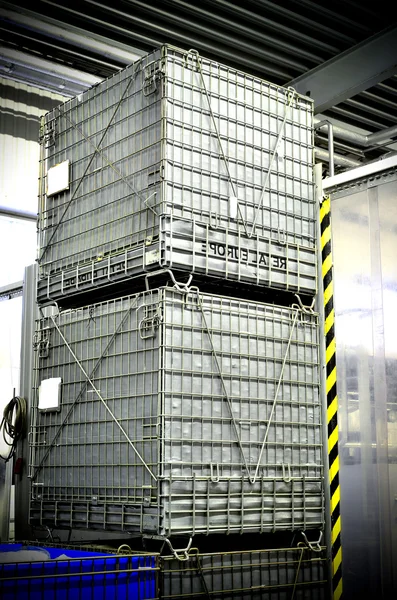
320, 311
380, 395
29, 315
331, 148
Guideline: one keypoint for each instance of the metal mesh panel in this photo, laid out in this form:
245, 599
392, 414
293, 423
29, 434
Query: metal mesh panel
71, 574
185, 138
257, 574
180, 412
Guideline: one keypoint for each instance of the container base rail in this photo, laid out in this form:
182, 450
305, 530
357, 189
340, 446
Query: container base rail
181, 245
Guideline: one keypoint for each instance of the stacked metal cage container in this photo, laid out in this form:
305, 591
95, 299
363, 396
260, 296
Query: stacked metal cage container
174, 411
177, 162
181, 412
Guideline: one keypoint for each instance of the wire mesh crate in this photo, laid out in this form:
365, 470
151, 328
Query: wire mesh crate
282, 574
174, 412
177, 161
48, 573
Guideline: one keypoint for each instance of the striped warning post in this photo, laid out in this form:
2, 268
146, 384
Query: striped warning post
332, 398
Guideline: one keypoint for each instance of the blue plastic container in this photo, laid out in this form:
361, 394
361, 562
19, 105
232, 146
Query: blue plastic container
82, 576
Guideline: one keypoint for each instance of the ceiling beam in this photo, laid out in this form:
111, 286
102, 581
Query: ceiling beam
351, 72
82, 39
27, 68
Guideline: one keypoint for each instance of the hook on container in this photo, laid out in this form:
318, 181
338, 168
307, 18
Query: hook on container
306, 309
291, 93
315, 546
214, 475
124, 547
282, 237
288, 478
190, 56
181, 287
181, 554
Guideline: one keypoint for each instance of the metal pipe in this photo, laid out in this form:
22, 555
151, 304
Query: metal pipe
360, 139
382, 136
17, 214
73, 35
331, 148
345, 147
330, 144
342, 132
365, 170
342, 161
48, 68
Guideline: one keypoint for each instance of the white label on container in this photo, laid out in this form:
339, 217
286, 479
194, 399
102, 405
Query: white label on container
50, 394
58, 178
152, 257
233, 207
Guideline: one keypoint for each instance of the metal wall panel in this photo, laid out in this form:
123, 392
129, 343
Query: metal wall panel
364, 230
177, 147
180, 413
21, 107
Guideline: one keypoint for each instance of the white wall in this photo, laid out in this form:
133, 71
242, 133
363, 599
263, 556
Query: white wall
21, 107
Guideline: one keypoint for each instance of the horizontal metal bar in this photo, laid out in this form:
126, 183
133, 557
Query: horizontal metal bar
11, 289
195, 27
17, 214
338, 159
360, 172
339, 78
235, 25
262, 21
319, 28
59, 575
82, 39
157, 36
47, 67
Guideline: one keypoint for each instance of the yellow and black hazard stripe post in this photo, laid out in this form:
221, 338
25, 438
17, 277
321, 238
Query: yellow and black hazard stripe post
332, 398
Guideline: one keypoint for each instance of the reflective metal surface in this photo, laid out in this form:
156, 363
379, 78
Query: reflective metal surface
364, 225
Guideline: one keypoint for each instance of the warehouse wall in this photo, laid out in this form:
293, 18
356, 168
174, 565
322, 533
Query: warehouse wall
20, 109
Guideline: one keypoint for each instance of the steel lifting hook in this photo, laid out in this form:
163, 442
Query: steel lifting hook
306, 309
315, 546
185, 551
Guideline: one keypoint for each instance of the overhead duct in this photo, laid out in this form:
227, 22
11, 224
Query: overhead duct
342, 161
364, 140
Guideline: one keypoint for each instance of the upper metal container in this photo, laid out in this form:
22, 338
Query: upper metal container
177, 161
176, 412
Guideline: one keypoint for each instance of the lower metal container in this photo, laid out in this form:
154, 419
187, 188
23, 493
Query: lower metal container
176, 412
298, 573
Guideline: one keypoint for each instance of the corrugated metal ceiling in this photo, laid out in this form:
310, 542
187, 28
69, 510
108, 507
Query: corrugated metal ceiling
278, 41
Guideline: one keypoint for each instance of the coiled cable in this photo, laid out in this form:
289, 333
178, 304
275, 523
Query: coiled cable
13, 424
